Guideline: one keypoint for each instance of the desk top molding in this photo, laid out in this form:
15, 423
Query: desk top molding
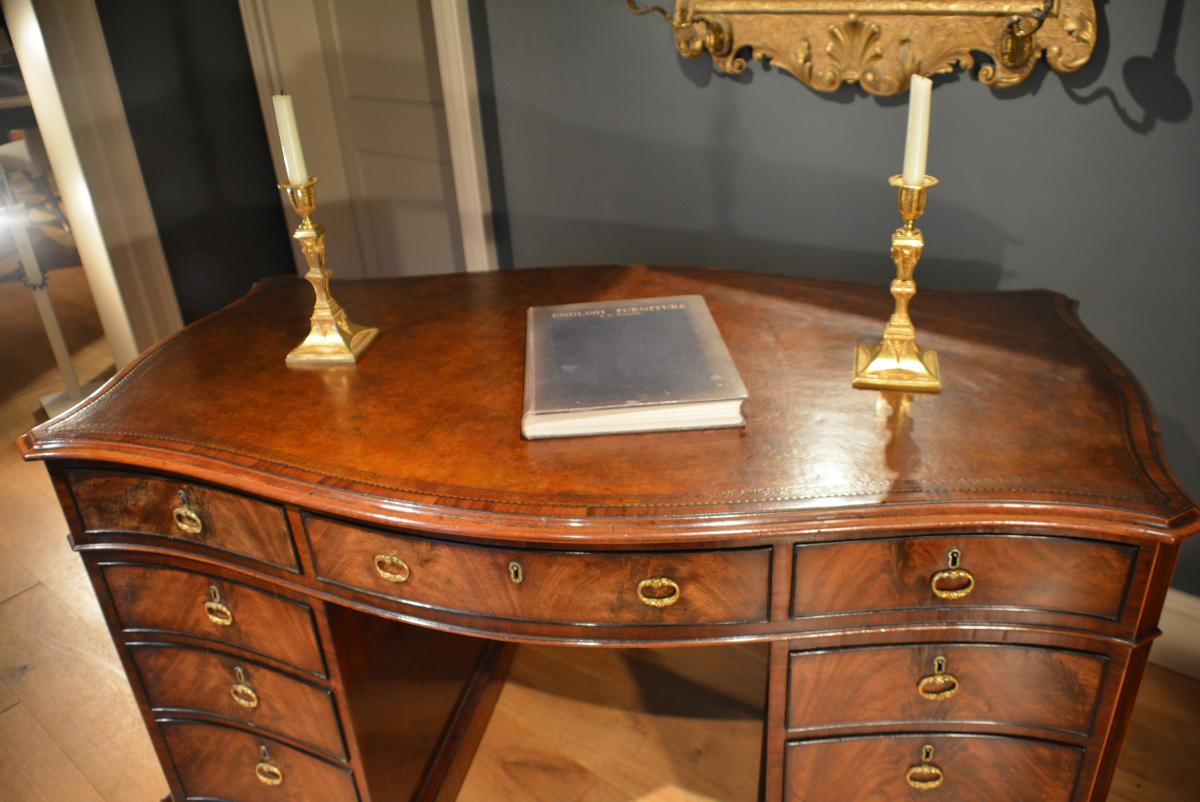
1039, 425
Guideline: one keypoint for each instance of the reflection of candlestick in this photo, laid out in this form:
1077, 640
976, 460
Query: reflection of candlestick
916, 147
289, 139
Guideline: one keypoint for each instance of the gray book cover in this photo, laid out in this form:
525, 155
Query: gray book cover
631, 353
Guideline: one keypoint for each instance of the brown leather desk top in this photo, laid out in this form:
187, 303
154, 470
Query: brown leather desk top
1037, 421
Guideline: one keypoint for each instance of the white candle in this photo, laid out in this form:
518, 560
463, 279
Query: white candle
916, 148
289, 139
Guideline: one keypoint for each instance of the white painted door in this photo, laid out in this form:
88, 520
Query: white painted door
364, 78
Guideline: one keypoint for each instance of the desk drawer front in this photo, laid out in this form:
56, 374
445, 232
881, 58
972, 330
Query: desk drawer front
217, 762
566, 587
121, 503
1006, 685
154, 599
962, 768
1043, 574
182, 679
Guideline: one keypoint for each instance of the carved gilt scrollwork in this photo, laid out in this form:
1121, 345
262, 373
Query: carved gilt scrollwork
880, 44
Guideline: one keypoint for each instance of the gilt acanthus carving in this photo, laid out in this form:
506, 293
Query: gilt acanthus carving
880, 44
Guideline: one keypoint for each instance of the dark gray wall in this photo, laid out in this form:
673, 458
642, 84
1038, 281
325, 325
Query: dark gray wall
611, 149
183, 70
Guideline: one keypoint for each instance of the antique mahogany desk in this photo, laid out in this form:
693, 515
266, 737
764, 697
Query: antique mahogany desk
311, 576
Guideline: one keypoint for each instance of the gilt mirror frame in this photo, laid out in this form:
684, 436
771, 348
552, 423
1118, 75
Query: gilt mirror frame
880, 44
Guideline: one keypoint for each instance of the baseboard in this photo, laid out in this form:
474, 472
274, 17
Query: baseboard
1179, 647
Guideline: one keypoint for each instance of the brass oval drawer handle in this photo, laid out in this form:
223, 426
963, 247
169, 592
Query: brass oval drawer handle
216, 610
266, 771
392, 568
926, 775
954, 582
656, 585
242, 692
939, 685
187, 516
960, 582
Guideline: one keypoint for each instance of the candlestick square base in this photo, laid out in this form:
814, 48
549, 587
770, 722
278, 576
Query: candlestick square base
332, 344
892, 365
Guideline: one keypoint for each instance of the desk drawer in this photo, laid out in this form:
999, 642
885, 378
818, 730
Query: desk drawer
155, 599
217, 762
112, 502
1043, 574
962, 768
182, 679
668, 587
894, 685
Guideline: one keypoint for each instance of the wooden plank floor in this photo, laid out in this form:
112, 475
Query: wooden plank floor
572, 725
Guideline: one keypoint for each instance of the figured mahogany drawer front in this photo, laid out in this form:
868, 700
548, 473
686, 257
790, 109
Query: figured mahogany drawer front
1045, 574
155, 599
118, 503
216, 762
567, 587
1006, 685
962, 768
181, 679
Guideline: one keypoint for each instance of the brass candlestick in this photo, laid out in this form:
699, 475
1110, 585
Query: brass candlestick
896, 362
333, 339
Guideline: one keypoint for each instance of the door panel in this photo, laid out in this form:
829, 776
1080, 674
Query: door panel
382, 65
368, 99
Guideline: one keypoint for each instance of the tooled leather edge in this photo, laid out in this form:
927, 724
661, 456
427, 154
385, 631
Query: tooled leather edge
28, 443
1132, 395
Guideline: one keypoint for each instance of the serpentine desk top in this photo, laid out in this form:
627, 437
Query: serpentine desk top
1037, 423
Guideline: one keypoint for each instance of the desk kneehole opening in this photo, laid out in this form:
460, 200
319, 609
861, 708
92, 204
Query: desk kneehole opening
658, 591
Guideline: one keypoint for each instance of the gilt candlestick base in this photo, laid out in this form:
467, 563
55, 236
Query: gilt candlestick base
332, 338
896, 362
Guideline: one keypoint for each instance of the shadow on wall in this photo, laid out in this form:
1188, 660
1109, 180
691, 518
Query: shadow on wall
618, 242
1152, 81
729, 189
184, 75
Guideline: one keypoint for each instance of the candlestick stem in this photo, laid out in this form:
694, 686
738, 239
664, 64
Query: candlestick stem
332, 338
896, 362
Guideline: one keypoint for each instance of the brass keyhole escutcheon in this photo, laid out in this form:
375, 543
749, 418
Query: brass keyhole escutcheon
187, 516
241, 691
939, 685
216, 610
516, 573
266, 771
926, 775
658, 591
392, 568
953, 582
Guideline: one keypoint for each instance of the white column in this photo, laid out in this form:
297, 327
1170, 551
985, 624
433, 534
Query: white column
24, 28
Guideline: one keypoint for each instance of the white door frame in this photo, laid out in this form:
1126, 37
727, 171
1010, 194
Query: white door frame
464, 126
73, 90
456, 64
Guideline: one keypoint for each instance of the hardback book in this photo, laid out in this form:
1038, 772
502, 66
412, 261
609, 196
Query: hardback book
641, 365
